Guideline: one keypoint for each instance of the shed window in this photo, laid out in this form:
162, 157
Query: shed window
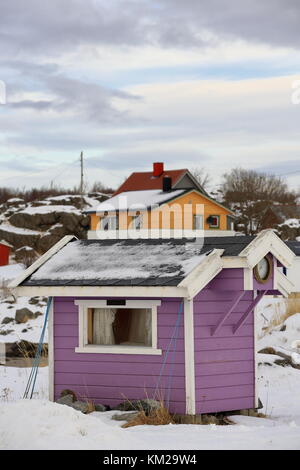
113, 326
126, 327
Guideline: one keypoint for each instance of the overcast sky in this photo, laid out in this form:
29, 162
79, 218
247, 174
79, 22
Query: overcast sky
193, 83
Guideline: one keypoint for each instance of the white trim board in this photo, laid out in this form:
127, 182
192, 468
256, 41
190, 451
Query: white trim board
267, 242
189, 347
101, 291
51, 351
203, 273
39, 262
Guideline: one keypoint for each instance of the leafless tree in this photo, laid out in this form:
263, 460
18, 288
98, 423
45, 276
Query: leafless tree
250, 193
201, 175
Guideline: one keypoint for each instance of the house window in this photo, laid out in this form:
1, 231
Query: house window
198, 222
130, 328
109, 222
214, 221
137, 222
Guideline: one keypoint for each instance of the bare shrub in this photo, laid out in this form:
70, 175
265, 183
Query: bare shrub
156, 417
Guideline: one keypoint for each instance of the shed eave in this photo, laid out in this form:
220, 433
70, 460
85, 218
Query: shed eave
103, 291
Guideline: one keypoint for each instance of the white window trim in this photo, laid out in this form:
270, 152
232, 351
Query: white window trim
219, 221
116, 349
200, 216
110, 219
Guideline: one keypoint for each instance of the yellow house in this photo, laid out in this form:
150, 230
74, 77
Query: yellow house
157, 204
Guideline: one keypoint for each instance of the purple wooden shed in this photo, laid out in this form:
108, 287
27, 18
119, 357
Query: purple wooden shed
167, 318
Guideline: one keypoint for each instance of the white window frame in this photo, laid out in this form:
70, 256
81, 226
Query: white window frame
200, 217
84, 347
137, 219
110, 219
219, 221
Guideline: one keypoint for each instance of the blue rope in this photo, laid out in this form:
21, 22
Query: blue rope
173, 338
34, 370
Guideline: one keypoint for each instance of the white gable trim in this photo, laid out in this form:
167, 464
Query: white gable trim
203, 273
38, 263
267, 242
282, 283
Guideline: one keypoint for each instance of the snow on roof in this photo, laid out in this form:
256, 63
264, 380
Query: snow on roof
125, 262
136, 200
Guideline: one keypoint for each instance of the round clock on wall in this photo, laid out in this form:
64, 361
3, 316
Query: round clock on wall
263, 269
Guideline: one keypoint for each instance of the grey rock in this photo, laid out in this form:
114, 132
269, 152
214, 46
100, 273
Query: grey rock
34, 300
65, 400
146, 405
6, 332
23, 315
7, 320
80, 406
125, 416
100, 407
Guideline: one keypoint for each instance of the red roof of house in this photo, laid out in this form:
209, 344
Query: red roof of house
145, 180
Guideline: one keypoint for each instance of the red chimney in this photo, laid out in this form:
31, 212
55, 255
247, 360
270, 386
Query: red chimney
158, 168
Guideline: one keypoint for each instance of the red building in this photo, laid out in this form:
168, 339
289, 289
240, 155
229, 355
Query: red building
4, 253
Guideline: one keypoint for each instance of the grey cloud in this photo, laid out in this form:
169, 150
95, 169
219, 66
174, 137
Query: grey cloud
58, 26
89, 100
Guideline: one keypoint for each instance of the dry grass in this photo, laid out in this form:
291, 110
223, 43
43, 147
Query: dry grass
292, 306
157, 417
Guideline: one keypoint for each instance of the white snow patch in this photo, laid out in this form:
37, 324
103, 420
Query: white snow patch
21, 231
50, 209
136, 200
120, 261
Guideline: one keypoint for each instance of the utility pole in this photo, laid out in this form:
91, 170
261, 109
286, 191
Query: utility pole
81, 177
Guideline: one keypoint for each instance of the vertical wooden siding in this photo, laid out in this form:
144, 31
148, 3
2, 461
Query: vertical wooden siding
109, 378
224, 363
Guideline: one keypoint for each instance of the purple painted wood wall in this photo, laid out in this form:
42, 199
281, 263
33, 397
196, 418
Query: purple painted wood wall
109, 378
224, 363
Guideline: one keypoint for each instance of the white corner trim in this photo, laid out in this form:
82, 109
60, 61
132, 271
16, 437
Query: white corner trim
38, 263
189, 348
51, 351
255, 332
84, 347
282, 283
203, 273
267, 242
93, 349
248, 279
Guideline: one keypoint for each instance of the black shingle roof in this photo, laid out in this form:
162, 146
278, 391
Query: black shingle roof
144, 262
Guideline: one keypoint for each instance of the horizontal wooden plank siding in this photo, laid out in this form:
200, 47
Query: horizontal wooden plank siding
110, 378
224, 362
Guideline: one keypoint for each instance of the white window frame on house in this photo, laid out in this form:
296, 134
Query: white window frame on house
112, 222
218, 224
198, 220
84, 347
137, 222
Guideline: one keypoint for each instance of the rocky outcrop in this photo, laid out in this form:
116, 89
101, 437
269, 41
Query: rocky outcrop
18, 237
24, 314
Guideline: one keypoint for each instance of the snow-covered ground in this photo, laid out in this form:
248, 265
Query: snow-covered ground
52, 426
